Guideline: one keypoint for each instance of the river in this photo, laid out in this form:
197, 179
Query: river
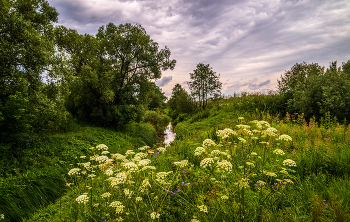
169, 135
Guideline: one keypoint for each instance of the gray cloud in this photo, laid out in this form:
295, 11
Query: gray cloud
164, 81
257, 39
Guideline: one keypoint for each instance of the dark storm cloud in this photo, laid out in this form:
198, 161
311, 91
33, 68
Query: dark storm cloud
256, 40
164, 81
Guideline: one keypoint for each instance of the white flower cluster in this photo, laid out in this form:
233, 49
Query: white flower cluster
140, 156
260, 182
271, 174
242, 140
278, 152
243, 183
145, 183
206, 162
224, 197
225, 133
195, 220
128, 193
285, 137
203, 208
155, 215
144, 148
161, 149
2, 216
250, 164
101, 147
199, 151
131, 167
120, 178
105, 152
288, 181
208, 143
109, 172
74, 171
261, 124
129, 152
138, 199
148, 167
215, 152
118, 206
241, 126
225, 165
85, 165
106, 195
182, 163
143, 162
245, 132
118, 156
289, 162
163, 175
270, 131
102, 159
82, 199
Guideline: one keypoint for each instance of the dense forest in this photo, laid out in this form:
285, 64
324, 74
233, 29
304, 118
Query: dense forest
70, 100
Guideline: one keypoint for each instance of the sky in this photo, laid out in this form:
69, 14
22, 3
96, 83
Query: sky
249, 43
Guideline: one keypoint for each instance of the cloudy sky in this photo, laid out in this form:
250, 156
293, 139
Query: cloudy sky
249, 42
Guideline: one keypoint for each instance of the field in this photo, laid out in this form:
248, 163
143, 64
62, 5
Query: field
225, 165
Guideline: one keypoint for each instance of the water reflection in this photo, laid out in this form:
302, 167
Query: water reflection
169, 135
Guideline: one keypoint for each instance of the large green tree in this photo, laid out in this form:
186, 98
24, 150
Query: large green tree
204, 84
27, 104
110, 73
180, 102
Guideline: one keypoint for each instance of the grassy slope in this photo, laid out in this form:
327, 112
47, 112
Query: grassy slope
37, 180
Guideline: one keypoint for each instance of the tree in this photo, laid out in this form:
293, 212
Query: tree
180, 102
205, 84
111, 72
26, 51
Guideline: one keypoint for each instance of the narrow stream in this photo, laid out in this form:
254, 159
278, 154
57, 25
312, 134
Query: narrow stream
169, 135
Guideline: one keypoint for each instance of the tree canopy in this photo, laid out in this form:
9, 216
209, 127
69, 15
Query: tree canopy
204, 84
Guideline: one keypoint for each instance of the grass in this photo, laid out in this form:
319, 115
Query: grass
36, 179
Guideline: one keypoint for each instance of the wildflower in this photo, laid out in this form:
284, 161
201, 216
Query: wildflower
144, 148
102, 159
255, 138
106, 195
225, 165
105, 152
285, 137
260, 124
109, 172
74, 171
195, 220
261, 183
120, 178
161, 149
131, 166
242, 140
288, 181
224, 197
267, 143
181, 164
145, 183
118, 156
118, 206
162, 175
155, 215
82, 199
92, 176
101, 147
278, 152
144, 162
129, 152
271, 174
127, 192
225, 133
254, 154
215, 152
140, 155
203, 208
243, 183
206, 162
148, 167
241, 118
86, 165
2, 216
82, 157
240, 126
250, 164
208, 142
138, 199
199, 151
284, 171
289, 162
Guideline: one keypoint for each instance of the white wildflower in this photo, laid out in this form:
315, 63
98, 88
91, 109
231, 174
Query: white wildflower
74, 171
289, 162
144, 148
131, 167
101, 147
285, 137
82, 199
203, 208
144, 162
207, 162
182, 163
138, 199
208, 143
242, 140
148, 167
199, 151
225, 165
161, 149
271, 174
278, 152
224, 197
118, 206
106, 195
155, 215
129, 152
215, 152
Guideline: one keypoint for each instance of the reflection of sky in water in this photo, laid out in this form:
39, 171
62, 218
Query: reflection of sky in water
170, 136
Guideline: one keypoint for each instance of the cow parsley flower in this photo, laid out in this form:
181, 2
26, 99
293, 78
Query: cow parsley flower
144, 162
106, 195
271, 174
224, 197
155, 215
131, 166
148, 167
144, 148
207, 162
105, 152
195, 220
278, 152
120, 178
199, 151
101, 147
225, 165
138, 199
74, 171
102, 159
215, 152
285, 137
118, 156
208, 143
129, 152
182, 163
243, 183
118, 206
289, 162
250, 164
2, 216
109, 172
225, 133
82, 199
242, 140
203, 208
161, 149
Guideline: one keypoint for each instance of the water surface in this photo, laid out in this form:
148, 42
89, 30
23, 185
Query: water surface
169, 135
